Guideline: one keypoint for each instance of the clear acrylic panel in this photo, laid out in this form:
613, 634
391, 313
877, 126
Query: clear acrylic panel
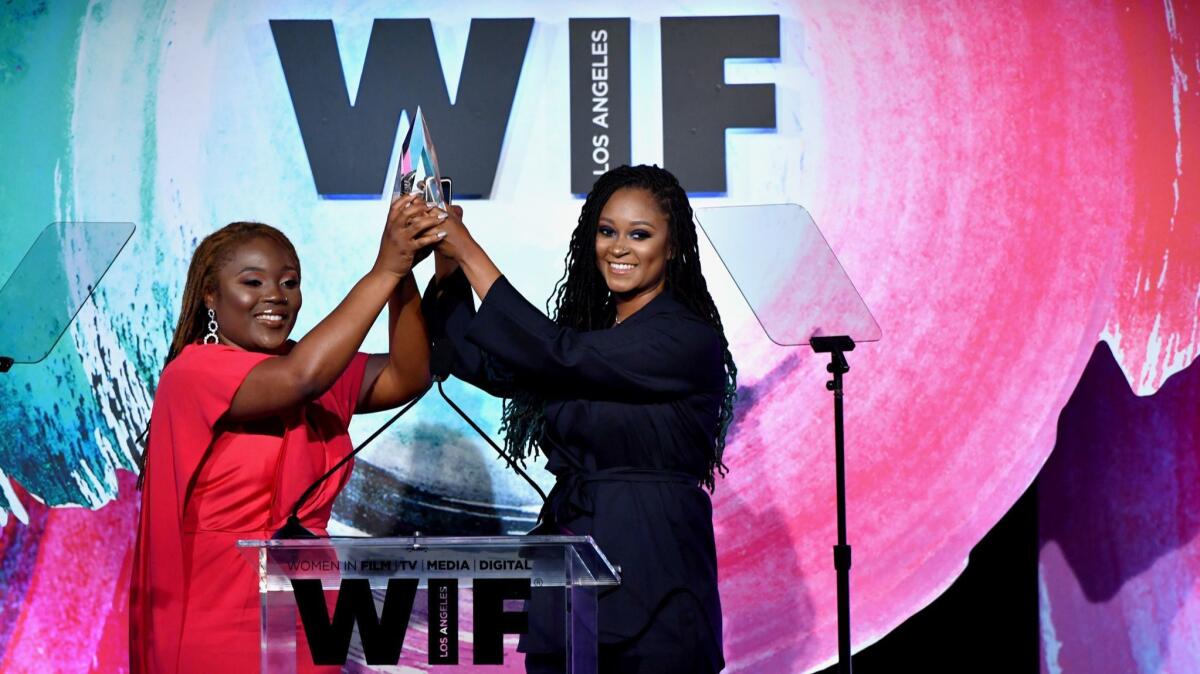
53, 280
787, 273
565, 573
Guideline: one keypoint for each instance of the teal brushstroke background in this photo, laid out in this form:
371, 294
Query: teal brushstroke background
86, 87
48, 424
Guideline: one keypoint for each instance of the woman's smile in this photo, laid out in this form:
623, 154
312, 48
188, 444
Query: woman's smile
272, 318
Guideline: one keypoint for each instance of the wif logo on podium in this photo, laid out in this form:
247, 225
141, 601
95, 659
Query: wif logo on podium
382, 634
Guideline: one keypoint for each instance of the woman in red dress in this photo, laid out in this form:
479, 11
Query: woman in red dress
245, 419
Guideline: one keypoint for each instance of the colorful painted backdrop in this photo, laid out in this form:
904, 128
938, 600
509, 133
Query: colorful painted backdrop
1009, 184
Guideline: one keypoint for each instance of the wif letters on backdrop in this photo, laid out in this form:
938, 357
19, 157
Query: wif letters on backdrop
349, 145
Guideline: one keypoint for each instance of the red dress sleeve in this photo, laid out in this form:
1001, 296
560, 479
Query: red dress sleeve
342, 397
300, 468
195, 390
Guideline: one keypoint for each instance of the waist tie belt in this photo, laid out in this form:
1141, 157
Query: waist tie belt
568, 499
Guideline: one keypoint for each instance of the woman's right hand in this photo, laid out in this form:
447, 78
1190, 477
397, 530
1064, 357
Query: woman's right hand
459, 247
458, 238
412, 227
443, 264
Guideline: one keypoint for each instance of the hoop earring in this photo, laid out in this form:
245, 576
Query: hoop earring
212, 328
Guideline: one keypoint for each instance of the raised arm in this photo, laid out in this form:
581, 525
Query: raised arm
396, 377
449, 312
667, 355
458, 249
660, 354
316, 361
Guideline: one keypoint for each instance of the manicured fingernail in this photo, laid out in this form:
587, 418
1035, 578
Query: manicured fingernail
443, 216
441, 234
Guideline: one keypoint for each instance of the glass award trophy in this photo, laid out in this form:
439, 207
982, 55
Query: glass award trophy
418, 170
56, 276
800, 295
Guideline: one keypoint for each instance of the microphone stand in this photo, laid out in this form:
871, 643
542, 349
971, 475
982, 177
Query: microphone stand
503, 454
836, 346
440, 363
292, 529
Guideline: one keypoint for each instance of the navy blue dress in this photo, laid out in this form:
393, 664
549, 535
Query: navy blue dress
631, 416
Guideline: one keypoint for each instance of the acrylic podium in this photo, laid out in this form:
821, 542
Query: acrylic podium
367, 603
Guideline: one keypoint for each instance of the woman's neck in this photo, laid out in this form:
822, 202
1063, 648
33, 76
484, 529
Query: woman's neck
629, 305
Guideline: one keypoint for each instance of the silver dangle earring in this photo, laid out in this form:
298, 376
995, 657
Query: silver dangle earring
212, 328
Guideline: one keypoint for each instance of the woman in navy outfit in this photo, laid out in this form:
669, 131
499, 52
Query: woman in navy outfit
628, 392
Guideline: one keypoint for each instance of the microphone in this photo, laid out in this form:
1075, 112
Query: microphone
503, 454
441, 359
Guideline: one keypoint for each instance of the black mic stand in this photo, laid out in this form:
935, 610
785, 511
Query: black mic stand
441, 361
292, 529
836, 347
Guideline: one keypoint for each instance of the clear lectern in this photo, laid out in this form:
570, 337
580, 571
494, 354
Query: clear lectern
364, 603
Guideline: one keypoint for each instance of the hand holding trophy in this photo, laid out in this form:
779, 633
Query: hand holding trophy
418, 200
418, 174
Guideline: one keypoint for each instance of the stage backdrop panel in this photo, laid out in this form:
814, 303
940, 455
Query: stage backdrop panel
1007, 183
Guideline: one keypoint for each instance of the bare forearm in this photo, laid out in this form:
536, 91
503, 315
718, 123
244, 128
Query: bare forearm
408, 340
479, 268
443, 266
459, 249
316, 362
323, 354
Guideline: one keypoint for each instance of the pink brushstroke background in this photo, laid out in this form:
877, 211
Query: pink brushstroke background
1007, 184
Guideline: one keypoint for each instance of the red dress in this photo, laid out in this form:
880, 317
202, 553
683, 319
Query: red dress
194, 602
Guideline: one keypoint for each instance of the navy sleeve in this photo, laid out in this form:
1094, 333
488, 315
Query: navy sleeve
666, 355
449, 311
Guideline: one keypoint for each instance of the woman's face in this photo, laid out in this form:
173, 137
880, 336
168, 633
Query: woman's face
257, 297
631, 244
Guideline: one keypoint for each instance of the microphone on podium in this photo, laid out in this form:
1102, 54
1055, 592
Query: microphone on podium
441, 359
